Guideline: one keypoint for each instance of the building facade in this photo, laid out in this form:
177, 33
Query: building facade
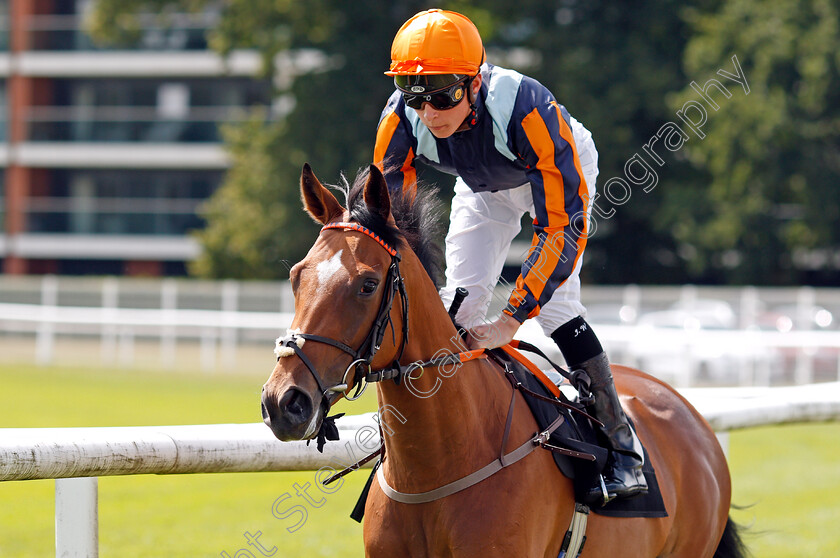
107, 154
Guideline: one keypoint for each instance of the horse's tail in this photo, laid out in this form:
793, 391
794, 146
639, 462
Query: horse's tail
731, 545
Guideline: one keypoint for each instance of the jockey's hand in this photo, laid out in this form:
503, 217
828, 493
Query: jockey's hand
493, 334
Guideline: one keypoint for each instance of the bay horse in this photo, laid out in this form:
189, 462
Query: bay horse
365, 300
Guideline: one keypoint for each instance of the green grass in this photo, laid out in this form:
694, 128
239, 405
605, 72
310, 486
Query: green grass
177, 515
790, 474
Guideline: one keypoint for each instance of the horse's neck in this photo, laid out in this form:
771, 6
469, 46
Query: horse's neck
428, 422
444, 422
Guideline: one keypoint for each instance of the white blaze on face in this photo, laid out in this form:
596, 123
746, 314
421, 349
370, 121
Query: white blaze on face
327, 268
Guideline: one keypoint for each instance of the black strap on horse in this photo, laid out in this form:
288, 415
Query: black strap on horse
358, 465
578, 378
561, 401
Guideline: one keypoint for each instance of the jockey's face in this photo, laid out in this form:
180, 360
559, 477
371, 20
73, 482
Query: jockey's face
444, 123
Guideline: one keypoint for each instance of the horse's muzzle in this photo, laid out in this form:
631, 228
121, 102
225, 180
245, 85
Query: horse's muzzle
290, 415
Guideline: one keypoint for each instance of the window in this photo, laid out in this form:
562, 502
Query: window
122, 202
144, 110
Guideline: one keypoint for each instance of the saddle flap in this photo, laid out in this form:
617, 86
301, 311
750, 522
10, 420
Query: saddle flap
579, 434
576, 433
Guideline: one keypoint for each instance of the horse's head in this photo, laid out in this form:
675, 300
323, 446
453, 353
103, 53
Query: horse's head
348, 295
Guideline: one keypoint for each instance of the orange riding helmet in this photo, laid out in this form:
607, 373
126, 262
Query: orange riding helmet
436, 42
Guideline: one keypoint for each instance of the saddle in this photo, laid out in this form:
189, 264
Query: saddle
583, 459
576, 445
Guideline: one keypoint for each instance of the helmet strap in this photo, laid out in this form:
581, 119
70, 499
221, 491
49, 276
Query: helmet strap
472, 117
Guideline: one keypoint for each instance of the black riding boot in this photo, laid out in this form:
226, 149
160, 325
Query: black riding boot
623, 476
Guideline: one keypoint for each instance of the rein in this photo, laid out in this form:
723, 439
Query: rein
538, 440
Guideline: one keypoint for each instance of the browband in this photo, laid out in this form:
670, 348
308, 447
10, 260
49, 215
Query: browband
364, 230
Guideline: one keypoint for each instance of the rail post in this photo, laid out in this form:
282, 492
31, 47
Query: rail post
77, 517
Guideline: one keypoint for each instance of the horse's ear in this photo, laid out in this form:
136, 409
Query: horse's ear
376, 193
317, 200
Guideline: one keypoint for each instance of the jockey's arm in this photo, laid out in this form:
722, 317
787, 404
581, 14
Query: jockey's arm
546, 144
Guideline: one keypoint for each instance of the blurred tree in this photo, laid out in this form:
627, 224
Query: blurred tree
254, 221
731, 207
770, 208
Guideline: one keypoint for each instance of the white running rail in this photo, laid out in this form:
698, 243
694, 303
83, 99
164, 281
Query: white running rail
75, 457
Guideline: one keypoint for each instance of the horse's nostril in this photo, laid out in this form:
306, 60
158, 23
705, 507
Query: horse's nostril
296, 406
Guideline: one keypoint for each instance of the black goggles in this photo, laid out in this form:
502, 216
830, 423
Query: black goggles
429, 90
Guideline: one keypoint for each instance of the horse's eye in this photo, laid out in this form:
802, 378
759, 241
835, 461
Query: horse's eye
369, 286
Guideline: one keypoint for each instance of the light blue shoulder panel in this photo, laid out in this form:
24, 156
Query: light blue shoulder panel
501, 97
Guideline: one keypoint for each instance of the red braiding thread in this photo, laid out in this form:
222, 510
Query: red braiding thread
361, 229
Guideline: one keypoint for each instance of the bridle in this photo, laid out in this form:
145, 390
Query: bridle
362, 357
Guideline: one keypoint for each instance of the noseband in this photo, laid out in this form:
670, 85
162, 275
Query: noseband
363, 356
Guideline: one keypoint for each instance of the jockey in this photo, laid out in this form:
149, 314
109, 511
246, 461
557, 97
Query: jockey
514, 149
